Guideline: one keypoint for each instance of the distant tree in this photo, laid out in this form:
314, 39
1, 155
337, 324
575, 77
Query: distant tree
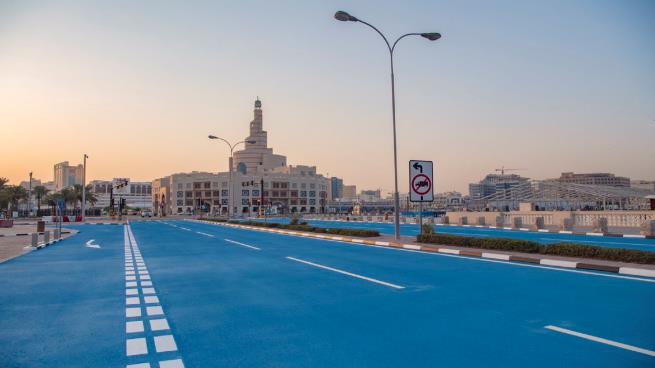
90, 195
14, 194
69, 196
3, 181
39, 192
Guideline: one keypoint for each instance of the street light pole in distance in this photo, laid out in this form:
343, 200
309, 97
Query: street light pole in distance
432, 36
231, 192
84, 189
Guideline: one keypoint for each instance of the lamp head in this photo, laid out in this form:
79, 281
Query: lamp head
344, 17
212, 137
431, 36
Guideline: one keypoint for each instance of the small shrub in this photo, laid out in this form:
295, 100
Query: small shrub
427, 229
307, 228
558, 249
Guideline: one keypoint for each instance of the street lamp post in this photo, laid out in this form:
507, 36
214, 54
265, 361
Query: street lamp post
433, 36
231, 193
29, 198
84, 189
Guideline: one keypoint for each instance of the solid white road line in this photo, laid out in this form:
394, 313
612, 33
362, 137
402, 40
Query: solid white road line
184, 228
205, 234
241, 244
347, 273
601, 340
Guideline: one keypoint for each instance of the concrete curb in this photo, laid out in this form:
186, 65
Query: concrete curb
613, 235
632, 271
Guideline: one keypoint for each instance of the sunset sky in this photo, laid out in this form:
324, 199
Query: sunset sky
549, 86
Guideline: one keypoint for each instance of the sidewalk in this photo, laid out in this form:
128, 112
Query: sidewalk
13, 245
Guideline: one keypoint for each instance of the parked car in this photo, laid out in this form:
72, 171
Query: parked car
146, 213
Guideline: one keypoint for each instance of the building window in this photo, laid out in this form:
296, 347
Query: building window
196, 185
180, 194
312, 193
198, 194
179, 186
189, 194
276, 185
303, 185
224, 193
214, 184
224, 201
189, 202
294, 193
255, 193
245, 201
312, 202
245, 193
188, 185
224, 184
284, 185
312, 186
216, 193
208, 193
276, 193
283, 193
294, 185
303, 193
207, 185
180, 202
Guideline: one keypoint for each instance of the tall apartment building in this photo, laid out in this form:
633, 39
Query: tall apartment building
286, 189
606, 179
336, 185
66, 175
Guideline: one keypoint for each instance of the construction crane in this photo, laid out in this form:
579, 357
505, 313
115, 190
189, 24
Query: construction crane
503, 169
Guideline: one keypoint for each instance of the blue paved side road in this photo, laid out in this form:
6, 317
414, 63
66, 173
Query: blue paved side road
543, 238
64, 305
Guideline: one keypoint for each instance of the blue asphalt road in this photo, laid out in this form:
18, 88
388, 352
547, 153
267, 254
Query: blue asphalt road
230, 305
543, 238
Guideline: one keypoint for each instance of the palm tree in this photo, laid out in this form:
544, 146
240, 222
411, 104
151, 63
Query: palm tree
13, 194
69, 197
39, 192
90, 195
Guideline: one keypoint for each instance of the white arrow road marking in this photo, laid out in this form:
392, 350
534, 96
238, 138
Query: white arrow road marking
89, 245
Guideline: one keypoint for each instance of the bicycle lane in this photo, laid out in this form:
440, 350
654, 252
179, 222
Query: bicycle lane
64, 305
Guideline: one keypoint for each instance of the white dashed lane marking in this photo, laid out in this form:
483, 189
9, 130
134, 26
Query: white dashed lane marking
347, 273
242, 244
601, 340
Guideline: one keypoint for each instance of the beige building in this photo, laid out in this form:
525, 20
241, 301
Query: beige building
643, 184
594, 179
66, 175
286, 188
349, 192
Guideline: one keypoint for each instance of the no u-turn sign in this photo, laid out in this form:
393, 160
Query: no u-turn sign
421, 181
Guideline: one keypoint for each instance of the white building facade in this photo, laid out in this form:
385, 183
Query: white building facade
259, 177
136, 194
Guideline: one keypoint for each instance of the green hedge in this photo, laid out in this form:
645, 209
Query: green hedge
212, 219
312, 229
558, 249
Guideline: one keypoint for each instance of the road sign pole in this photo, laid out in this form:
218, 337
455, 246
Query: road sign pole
420, 218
